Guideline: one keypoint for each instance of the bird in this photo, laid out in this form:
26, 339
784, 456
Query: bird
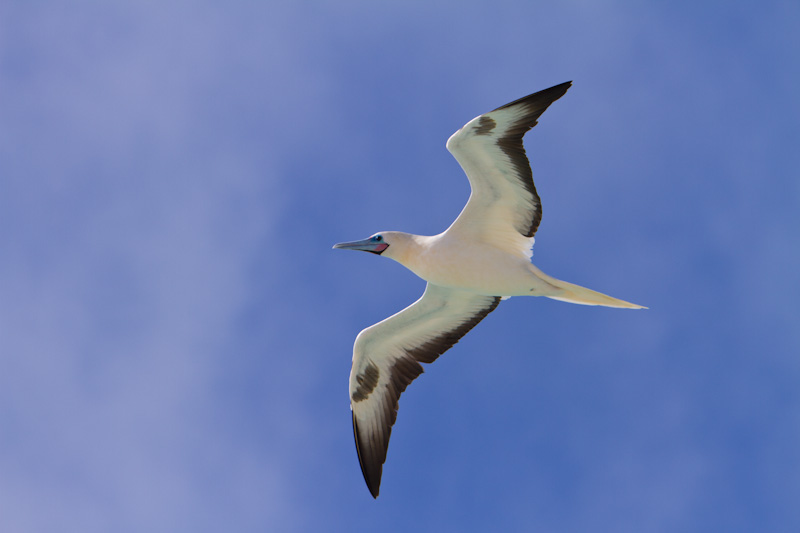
482, 258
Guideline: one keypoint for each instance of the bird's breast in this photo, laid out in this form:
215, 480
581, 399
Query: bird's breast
473, 267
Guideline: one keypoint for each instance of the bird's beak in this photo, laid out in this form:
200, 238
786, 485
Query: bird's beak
367, 245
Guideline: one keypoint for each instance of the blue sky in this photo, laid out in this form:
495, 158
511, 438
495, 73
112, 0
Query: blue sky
176, 332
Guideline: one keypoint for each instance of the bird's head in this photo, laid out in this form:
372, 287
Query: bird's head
377, 244
391, 244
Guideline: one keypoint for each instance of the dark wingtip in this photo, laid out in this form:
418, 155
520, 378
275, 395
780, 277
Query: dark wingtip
372, 479
545, 96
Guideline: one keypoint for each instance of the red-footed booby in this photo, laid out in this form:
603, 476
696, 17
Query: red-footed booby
482, 258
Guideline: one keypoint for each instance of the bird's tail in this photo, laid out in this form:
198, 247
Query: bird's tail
575, 294
569, 292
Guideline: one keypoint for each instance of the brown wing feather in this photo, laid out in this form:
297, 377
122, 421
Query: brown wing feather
511, 143
372, 434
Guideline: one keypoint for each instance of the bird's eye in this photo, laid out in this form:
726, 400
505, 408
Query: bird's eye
377, 238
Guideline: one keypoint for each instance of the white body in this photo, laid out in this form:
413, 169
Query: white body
452, 261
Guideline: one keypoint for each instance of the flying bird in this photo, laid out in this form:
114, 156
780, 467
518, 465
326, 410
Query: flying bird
481, 259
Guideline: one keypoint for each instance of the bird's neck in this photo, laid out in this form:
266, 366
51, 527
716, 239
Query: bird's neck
413, 251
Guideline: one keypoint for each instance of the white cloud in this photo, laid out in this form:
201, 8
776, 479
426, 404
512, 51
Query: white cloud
172, 329
134, 214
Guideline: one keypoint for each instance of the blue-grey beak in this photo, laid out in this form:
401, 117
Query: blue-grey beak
366, 245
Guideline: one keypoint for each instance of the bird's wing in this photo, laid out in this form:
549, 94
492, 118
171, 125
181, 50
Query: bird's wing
503, 208
387, 357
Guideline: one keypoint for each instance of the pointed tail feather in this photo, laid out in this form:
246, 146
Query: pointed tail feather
569, 292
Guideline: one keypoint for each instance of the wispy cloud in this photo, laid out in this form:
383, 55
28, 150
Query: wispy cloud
175, 332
